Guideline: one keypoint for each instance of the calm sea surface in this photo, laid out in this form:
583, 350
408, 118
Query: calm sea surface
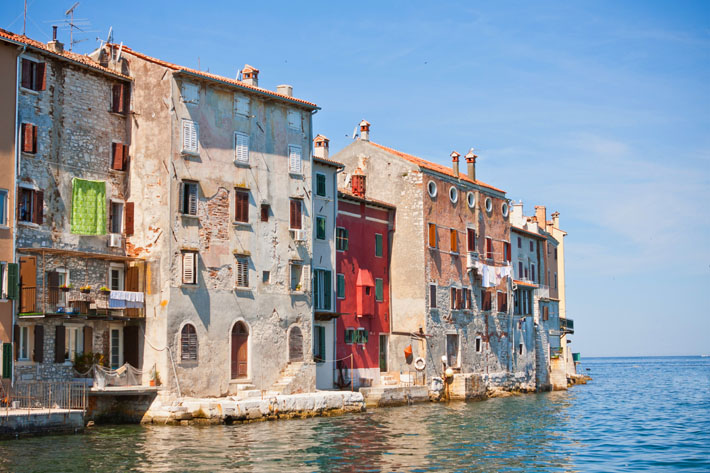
638, 414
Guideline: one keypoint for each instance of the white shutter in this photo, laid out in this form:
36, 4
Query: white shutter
241, 151
242, 271
192, 196
188, 267
189, 136
294, 159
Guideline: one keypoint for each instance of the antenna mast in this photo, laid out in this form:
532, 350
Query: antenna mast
24, 20
70, 13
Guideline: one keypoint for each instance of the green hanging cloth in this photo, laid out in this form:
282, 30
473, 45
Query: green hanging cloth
88, 209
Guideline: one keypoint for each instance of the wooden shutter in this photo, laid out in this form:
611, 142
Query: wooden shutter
188, 342
128, 210
452, 297
294, 159
38, 216
241, 152
454, 241
38, 354
16, 338
507, 251
432, 235
117, 156
471, 239
117, 105
29, 138
295, 222
88, 339
124, 165
489, 248
241, 206
59, 344
264, 212
188, 267
26, 73
126, 102
40, 76
53, 285
545, 313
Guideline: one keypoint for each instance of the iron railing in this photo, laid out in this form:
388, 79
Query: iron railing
33, 395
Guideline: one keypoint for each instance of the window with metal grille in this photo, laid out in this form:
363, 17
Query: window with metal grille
190, 136
341, 239
320, 185
294, 159
188, 343
241, 147
188, 206
241, 206
189, 267
242, 271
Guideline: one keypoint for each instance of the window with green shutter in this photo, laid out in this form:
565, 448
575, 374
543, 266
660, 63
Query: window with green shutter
13, 281
320, 228
379, 293
319, 344
349, 336
341, 239
340, 286
378, 244
7, 360
320, 185
361, 336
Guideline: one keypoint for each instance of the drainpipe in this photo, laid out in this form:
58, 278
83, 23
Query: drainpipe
313, 207
14, 193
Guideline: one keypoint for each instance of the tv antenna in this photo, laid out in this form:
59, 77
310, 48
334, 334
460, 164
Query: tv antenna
70, 14
71, 23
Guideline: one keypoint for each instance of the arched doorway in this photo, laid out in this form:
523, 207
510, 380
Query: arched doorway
295, 344
240, 343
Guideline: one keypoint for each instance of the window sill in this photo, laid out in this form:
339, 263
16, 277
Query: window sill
243, 225
22, 223
119, 114
29, 91
122, 171
188, 216
27, 154
242, 164
4, 227
243, 289
188, 364
190, 154
296, 175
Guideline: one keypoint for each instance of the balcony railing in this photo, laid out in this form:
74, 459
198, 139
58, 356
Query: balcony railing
566, 325
28, 299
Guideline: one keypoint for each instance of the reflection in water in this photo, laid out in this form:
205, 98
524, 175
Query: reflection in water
608, 425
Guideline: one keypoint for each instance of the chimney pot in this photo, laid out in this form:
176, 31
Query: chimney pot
358, 183
54, 33
471, 161
364, 130
250, 75
285, 89
322, 145
455, 159
55, 45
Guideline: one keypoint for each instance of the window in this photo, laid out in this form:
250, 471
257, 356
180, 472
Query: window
520, 349
378, 245
555, 253
361, 336
295, 222
341, 239
188, 206
432, 296
489, 248
489, 204
466, 298
471, 239
3, 207
119, 156
294, 120
265, 212
190, 93
531, 245
242, 271
322, 289
296, 274
504, 209
188, 343
33, 75
320, 227
241, 105
24, 343
432, 235
478, 344
455, 298
454, 241
502, 302
520, 242
520, 269
555, 280
115, 217
319, 344
241, 147
265, 277
532, 272
471, 199
121, 95
506, 251
29, 138
452, 350
30, 205
379, 290
349, 336
547, 281
320, 185
74, 342
189, 267
526, 273
431, 189
453, 194
190, 137
115, 348
241, 206
294, 159
545, 313
116, 277
485, 300
340, 286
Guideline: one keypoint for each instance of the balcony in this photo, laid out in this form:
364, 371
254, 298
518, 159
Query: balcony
566, 326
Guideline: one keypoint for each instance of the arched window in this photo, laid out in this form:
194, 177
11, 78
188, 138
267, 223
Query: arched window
188, 343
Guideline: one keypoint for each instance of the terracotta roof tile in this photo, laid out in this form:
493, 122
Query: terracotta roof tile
423, 163
524, 283
347, 194
208, 75
68, 55
328, 161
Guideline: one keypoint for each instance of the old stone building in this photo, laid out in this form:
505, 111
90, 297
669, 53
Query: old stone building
221, 170
73, 211
451, 284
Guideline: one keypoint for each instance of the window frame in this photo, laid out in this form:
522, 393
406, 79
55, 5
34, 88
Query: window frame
24, 344
321, 227
113, 205
191, 354
321, 179
298, 287
432, 189
339, 284
4, 207
241, 271
291, 153
241, 151
195, 256
342, 236
185, 186
379, 245
241, 207
121, 269
38, 71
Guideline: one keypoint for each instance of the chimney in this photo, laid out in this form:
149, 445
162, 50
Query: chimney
285, 89
471, 161
357, 182
364, 131
55, 45
455, 160
541, 215
321, 144
555, 219
250, 75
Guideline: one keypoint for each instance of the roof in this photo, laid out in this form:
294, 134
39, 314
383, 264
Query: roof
328, 162
441, 169
364, 278
66, 55
346, 194
226, 80
528, 232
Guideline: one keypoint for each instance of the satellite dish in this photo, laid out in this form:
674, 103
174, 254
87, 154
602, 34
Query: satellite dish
355, 132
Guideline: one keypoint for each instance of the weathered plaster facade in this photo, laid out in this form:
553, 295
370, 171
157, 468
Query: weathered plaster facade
265, 310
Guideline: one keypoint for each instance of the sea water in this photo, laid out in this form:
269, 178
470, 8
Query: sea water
638, 414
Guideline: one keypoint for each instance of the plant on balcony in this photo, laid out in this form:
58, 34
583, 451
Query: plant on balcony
85, 289
104, 289
155, 378
65, 287
85, 361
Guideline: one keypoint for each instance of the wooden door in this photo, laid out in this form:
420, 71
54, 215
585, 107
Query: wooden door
240, 339
28, 283
295, 345
383, 353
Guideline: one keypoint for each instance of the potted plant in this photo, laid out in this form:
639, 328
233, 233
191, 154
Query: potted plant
155, 378
85, 289
65, 287
104, 290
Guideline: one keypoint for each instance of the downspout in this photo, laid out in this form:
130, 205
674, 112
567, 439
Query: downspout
313, 208
14, 193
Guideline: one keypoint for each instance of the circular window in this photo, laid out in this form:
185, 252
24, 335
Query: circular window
431, 188
504, 209
489, 204
471, 198
453, 194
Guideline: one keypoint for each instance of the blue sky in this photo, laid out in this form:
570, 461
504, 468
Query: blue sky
599, 110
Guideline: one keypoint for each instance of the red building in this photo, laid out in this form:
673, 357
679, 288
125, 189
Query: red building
362, 240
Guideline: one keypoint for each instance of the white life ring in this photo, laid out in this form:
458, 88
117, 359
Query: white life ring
419, 364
